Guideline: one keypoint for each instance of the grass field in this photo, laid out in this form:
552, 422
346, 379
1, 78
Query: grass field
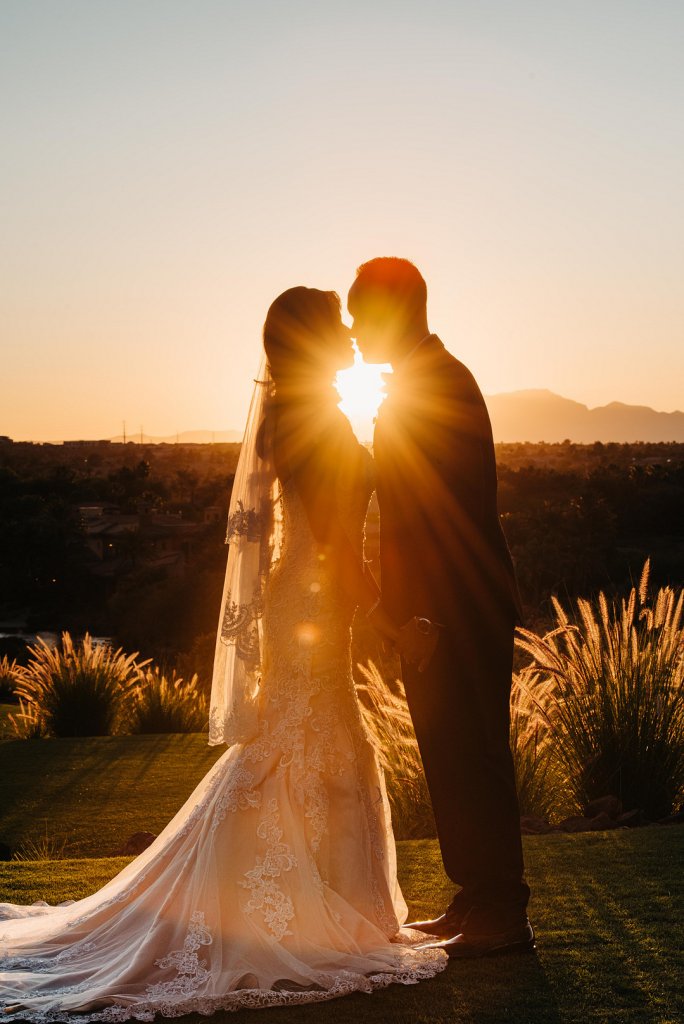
608, 912
95, 793
608, 907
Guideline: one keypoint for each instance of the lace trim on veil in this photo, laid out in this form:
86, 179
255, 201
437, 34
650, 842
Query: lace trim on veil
253, 536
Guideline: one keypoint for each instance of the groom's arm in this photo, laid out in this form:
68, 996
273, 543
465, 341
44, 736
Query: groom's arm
477, 575
436, 476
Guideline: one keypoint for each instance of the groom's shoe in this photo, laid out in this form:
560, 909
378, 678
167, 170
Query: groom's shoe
450, 922
443, 927
465, 946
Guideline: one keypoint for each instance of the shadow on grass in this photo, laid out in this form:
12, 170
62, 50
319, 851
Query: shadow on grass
65, 784
607, 908
514, 990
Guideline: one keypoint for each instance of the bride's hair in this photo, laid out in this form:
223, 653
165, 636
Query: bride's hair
294, 331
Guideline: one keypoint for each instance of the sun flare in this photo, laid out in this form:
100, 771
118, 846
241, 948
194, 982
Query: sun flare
361, 392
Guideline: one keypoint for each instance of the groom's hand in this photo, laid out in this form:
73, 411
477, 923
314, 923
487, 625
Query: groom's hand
417, 641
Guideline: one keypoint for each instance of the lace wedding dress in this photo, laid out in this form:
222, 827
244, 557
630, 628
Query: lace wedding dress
276, 882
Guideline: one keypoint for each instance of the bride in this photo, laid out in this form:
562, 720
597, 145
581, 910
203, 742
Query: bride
276, 882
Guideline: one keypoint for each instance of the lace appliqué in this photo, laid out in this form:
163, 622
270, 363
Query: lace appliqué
410, 968
240, 627
240, 618
267, 897
239, 795
245, 522
191, 971
33, 963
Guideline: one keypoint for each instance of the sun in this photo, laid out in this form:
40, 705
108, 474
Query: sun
361, 392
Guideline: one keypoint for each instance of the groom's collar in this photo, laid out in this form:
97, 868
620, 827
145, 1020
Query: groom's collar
404, 359
429, 342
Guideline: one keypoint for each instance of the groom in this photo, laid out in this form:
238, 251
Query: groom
447, 576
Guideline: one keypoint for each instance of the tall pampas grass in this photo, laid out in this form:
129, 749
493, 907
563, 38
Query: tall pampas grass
75, 689
388, 721
609, 683
541, 787
8, 680
167, 704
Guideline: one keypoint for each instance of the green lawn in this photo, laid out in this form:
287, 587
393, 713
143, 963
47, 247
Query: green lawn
96, 792
607, 906
608, 912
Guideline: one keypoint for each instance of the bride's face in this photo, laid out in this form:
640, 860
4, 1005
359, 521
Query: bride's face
337, 349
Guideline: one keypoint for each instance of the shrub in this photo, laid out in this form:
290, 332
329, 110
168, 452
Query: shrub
8, 681
611, 689
162, 705
388, 721
76, 689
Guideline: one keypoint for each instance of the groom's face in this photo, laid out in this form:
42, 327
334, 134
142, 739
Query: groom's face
373, 332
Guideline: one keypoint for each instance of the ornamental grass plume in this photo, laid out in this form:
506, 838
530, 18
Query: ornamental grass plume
8, 680
27, 723
610, 686
167, 705
541, 792
388, 721
45, 847
75, 689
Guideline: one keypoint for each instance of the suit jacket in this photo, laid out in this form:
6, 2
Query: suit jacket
443, 553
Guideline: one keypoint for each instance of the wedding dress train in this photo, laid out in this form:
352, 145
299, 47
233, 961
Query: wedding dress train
276, 882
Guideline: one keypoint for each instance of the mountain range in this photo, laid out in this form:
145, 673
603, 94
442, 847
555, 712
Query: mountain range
541, 415
532, 415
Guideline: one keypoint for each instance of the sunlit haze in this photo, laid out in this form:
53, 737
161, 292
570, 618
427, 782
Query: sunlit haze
361, 390
168, 168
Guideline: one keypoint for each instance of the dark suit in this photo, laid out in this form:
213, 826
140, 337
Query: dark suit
443, 555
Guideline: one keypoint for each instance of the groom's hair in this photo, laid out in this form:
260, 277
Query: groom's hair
395, 280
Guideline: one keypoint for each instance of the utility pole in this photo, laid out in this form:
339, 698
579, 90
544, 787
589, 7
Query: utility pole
124, 431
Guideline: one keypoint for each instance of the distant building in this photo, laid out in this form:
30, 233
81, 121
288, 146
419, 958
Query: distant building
96, 511
85, 444
117, 540
213, 514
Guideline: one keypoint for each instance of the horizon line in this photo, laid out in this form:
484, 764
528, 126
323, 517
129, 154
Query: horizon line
167, 438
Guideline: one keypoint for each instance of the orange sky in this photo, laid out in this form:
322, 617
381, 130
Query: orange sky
170, 167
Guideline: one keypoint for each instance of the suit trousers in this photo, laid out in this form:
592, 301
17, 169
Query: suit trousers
460, 708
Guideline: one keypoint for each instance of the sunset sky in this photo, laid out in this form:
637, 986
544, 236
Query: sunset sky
169, 167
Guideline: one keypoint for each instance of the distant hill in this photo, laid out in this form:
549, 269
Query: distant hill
540, 415
532, 415
186, 437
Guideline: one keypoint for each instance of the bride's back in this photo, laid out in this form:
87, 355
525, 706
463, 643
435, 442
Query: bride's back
323, 481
